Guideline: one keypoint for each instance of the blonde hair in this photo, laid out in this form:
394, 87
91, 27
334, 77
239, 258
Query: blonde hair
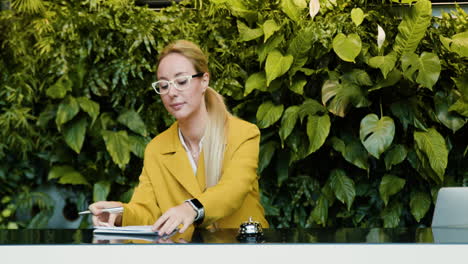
216, 129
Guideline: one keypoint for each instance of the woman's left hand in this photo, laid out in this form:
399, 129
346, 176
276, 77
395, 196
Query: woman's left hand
172, 218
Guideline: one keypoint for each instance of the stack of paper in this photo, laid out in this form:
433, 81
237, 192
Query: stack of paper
130, 230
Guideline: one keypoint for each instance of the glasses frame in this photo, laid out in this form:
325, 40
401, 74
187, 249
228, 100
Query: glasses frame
189, 78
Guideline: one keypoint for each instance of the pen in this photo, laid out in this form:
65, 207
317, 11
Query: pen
109, 210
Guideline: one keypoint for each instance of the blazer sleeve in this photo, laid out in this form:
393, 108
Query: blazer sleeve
236, 182
143, 208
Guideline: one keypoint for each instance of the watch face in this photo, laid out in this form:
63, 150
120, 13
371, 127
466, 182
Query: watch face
197, 203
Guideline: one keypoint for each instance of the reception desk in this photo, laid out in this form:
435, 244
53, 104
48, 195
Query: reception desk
327, 245
230, 236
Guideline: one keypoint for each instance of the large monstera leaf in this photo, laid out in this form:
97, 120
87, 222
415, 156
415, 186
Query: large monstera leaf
427, 67
442, 102
337, 96
377, 134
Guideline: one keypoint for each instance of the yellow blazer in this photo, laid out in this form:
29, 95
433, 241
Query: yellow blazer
167, 180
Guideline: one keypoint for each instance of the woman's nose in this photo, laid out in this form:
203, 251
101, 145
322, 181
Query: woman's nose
172, 90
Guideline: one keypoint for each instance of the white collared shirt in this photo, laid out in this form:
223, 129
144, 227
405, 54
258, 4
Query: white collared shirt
192, 161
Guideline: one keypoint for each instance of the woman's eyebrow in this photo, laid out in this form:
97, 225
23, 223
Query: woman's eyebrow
176, 75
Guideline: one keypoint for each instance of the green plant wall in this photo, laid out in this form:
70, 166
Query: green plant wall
362, 105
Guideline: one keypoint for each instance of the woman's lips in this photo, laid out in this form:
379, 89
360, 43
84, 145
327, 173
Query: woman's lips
177, 106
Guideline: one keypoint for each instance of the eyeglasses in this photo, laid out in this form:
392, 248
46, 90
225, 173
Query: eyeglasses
180, 83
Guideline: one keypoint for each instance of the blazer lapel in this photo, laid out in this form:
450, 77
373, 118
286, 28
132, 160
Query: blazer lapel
176, 161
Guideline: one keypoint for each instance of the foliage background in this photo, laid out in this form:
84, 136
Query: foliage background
357, 129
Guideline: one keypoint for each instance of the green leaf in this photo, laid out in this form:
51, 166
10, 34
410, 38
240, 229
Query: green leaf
288, 121
90, 107
132, 120
268, 114
393, 77
277, 65
408, 113
413, 27
271, 44
256, 81
320, 212
343, 187
299, 48
282, 167
246, 33
458, 43
118, 147
310, 107
269, 27
101, 190
74, 134
427, 67
442, 101
460, 107
389, 186
293, 8
338, 96
266, 153
357, 15
138, 145
67, 109
395, 155
462, 85
420, 202
391, 215
347, 47
60, 88
66, 175
432, 144
384, 63
356, 154
298, 84
318, 128
376, 135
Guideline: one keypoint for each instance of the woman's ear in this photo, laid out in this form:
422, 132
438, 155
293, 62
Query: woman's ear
205, 80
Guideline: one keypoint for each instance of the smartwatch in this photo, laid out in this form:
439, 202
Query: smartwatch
198, 207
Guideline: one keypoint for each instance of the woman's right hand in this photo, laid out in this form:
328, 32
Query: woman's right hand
101, 218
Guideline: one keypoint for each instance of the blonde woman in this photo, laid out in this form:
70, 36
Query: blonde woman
201, 170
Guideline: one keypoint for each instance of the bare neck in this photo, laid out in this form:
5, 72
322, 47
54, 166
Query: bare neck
193, 128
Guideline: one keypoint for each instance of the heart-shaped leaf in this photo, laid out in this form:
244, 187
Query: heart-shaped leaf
384, 63
256, 81
458, 43
420, 202
337, 96
246, 33
442, 102
269, 27
293, 8
347, 47
357, 15
320, 212
288, 121
90, 107
74, 133
376, 135
389, 186
343, 187
118, 147
395, 155
268, 113
391, 215
318, 128
132, 120
427, 67
277, 65
67, 109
